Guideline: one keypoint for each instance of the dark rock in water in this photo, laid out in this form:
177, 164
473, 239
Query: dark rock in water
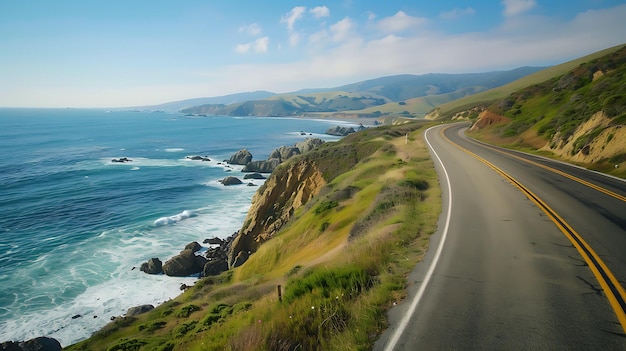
231, 181
121, 160
137, 310
251, 184
193, 246
254, 176
184, 264
76, 316
198, 158
261, 166
36, 344
213, 241
340, 131
241, 157
215, 267
153, 266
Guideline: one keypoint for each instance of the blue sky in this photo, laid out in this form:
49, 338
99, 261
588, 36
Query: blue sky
127, 53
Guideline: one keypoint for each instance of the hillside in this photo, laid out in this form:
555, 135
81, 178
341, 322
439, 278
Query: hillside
449, 109
383, 96
579, 116
335, 230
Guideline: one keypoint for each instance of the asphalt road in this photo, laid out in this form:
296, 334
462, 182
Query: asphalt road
499, 273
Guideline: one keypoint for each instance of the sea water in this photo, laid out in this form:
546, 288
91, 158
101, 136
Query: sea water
75, 226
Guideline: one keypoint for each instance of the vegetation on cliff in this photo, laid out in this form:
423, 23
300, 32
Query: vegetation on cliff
579, 116
340, 252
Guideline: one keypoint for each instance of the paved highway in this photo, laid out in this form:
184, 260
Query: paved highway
530, 254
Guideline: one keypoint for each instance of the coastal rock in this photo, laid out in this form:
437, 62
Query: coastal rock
36, 344
153, 266
215, 267
214, 241
184, 264
267, 166
241, 157
254, 176
198, 158
121, 160
231, 181
309, 144
193, 246
340, 131
284, 153
137, 310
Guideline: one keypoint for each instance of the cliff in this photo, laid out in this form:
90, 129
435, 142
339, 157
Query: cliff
289, 187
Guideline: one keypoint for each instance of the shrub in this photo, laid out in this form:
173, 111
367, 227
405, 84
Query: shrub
187, 310
325, 206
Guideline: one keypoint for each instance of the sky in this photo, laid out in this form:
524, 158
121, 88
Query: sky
120, 53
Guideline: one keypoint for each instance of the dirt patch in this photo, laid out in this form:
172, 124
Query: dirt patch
488, 118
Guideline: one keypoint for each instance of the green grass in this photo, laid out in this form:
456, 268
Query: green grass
336, 284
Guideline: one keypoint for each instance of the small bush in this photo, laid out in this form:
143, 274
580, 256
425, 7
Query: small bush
187, 310
185, 328
419, 184
325, 206
349, 279
128, 345
151, 327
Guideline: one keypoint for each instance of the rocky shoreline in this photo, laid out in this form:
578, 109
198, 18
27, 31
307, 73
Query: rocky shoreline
195, 259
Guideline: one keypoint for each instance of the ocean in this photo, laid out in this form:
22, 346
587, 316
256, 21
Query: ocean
75, 226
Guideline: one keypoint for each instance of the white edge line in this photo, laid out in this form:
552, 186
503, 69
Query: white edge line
416, 299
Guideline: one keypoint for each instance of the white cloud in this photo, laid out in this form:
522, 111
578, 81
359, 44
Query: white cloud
294, 39
242, 48
457, 12
253, 29
292, 16
341, 30
370, 15
399, 22
320, 11
542, 41
318, 37
261, 44
517, 7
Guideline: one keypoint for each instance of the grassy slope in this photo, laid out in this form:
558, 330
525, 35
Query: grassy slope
554, 111
486, 97
342, 261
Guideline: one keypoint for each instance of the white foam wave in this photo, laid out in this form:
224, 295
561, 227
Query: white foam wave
174, 219
174, 149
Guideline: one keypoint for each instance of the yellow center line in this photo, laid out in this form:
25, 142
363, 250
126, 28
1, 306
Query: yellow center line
612, 288
554, 170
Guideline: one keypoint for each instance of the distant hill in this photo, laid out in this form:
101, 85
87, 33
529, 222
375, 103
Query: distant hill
371, 98
176, 106
579, 116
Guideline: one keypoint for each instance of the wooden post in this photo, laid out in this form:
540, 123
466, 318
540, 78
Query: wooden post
280, 295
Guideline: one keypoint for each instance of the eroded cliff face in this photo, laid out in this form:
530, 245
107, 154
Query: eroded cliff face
593, 140
289, 187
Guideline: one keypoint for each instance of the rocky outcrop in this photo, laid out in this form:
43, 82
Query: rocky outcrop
137, 310
287, 189
186, 263
153, 266
198, 158
231, 181
266, 166
309, 144
284, 153
340, 131
36, 344
254, 176
241, 157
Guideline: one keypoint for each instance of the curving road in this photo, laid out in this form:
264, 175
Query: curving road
503, 273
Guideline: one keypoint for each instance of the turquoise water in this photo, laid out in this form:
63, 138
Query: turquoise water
73, 224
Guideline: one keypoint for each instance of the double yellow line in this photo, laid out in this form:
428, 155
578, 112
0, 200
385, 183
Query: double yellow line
613, 290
